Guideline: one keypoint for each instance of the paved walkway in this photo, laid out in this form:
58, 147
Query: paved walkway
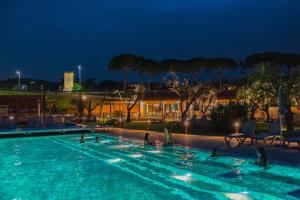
276, 154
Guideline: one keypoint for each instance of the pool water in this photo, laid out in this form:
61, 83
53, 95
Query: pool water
59, 167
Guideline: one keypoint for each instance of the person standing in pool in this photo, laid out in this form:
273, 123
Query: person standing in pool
262, 157
97, 139
215, 153
168, 140
147, 140
82, 139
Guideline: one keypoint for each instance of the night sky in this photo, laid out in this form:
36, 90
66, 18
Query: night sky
43, 38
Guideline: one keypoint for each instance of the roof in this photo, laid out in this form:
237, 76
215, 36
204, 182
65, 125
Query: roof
160, 95
226, 94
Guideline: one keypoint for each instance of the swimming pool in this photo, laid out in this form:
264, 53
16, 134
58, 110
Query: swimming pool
59, 167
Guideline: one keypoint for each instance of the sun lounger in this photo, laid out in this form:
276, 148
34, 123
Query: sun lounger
246, 133
34, 122
274, 132
7, 122
293, 139
51, 123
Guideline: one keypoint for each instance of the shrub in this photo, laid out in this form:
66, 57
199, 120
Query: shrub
118, 114
223, 117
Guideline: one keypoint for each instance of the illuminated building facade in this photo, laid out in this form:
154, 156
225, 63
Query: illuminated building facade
68, 81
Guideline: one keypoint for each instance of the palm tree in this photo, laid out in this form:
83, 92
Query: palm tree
123, 62
149, 67
221, 64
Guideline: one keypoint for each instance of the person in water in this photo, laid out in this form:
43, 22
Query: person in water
97, 139
216, 153
82, 139
168, 140
147, 140
262, 159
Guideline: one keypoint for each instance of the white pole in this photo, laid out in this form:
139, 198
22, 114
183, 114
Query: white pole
19, 76
79, 74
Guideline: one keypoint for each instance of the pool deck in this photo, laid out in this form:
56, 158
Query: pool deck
276, 154
30, 132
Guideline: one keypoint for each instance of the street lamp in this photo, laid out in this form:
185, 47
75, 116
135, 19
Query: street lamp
19, 76
79, 74
80, 97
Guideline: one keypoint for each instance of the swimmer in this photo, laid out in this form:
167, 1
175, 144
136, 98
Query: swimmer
215, 153
97, 139
147, 140
82, 139
168, 141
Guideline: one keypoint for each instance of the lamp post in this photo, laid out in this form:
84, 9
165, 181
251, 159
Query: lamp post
149, 121
79, 74
83, 99
19, 76
186, 125
236, 126
120, 121
80, 95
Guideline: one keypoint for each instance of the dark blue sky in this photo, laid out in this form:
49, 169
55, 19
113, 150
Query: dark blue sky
43, 38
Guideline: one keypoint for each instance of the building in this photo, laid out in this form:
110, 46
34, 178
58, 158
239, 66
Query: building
68, 81
165, 105
21, 106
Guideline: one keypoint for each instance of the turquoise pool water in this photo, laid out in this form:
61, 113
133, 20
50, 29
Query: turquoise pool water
59, 167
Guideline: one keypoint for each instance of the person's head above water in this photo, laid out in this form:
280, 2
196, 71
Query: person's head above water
146, 136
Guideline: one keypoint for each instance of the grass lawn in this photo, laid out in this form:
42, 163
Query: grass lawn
7, 92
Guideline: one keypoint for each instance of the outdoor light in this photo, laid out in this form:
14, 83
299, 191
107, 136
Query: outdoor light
79, 74
120, 121
186, 125
98, 120
186, 177
84, 97
236, 126
19, 76
112, 161
11, 117
149, 121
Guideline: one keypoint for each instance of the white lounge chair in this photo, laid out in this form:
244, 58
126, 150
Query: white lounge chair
246, 133
293, 139
274, 132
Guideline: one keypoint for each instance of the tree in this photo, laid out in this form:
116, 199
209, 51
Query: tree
186, 92
194, 66
206, 101
90, 108
130, 98
123, 62
90, 84
269, 78
171, 65
149, 67
286, 61
256, 98
221, 64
